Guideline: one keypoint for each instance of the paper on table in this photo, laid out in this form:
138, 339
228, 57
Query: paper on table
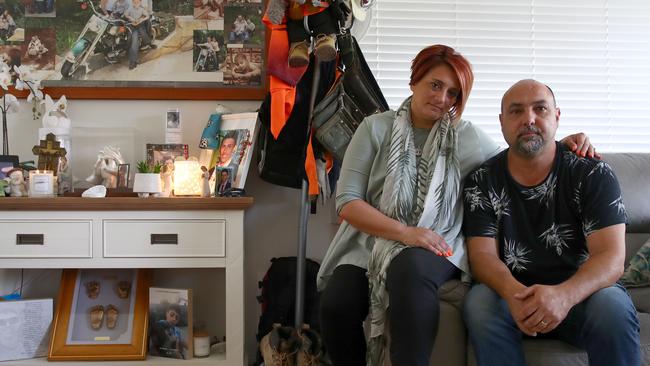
24, 328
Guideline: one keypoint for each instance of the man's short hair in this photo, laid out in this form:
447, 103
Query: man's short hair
547, 87
230, 135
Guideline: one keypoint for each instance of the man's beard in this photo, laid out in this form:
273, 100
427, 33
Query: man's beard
532, 145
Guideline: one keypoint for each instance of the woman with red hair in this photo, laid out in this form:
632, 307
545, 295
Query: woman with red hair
399, 195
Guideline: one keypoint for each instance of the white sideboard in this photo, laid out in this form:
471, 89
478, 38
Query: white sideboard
128, 232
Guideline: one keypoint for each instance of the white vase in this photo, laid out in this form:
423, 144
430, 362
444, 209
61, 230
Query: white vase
147, 183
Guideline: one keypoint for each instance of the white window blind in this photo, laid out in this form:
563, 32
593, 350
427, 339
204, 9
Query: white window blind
594, 54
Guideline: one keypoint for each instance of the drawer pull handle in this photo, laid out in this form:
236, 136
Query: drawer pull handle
30, 239
164, 239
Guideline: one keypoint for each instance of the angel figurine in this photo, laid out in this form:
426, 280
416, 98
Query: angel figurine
55, 113
105, 172
17, 183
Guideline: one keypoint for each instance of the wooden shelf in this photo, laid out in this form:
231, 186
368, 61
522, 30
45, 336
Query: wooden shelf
124, 203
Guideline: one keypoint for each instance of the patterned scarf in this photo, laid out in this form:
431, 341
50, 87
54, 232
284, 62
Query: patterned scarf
425, 195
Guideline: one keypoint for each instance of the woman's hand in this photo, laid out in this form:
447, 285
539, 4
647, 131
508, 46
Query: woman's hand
427, 239
579, 143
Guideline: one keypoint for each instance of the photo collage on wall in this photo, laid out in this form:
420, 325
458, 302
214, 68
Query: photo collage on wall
193, 41
21, 45
232, 43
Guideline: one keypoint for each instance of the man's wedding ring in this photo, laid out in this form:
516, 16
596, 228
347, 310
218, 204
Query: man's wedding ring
543, 324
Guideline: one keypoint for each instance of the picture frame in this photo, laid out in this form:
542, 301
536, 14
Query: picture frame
236, 138
101, 314
7, 162
165, 154
174, 119
171, 323
223, 181
165, 63
123, 176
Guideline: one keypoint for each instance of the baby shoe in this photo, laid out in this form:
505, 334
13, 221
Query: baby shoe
299, 54
325, 48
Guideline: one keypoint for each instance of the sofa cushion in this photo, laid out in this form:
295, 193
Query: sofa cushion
640, 298
453, 292
637, 273
633, 175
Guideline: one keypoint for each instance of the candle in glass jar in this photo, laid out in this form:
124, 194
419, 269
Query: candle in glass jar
201, 344
41, 183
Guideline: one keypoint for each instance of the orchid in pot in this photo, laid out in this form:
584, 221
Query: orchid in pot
23, 79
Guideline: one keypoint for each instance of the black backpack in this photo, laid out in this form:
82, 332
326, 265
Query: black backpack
278, 297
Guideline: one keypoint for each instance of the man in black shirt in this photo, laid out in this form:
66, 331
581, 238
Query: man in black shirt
545, 234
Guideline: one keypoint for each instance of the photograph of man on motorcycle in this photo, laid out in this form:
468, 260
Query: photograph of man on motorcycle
116, 29
208, 50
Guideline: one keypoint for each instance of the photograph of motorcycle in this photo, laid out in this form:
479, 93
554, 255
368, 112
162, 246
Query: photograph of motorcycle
209, 50
110, 32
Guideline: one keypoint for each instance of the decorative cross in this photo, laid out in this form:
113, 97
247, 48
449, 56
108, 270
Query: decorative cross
49, 151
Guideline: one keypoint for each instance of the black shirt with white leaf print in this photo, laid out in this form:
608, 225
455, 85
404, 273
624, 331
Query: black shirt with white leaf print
542, 230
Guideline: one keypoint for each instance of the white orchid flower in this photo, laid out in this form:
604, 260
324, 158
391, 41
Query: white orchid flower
11, 103
5, 79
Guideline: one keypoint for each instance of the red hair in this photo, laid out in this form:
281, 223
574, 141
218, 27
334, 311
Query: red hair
435, 55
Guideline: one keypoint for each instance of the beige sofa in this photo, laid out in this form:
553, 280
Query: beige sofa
452, 347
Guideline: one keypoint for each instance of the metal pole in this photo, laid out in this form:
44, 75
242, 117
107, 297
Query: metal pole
304, 214
302, 254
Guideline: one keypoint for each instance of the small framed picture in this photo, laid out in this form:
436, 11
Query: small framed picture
164, 154
7, 162
224, 178
174, 119
123, 173
101, 314
170, 323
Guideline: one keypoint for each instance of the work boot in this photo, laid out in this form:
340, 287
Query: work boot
299, 54
312, 347
280, 346
325, 48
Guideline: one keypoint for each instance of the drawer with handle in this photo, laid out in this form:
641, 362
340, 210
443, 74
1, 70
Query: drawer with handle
46, 239
164, 238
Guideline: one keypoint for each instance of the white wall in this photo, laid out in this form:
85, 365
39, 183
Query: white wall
271, 224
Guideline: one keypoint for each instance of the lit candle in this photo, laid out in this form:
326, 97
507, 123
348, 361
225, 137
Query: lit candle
41, 183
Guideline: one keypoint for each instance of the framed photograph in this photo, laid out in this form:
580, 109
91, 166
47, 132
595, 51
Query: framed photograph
173, 119
101, 314
223, 181
170, 323
164, 154
7, 162
184, 48
123, 174
236, 143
